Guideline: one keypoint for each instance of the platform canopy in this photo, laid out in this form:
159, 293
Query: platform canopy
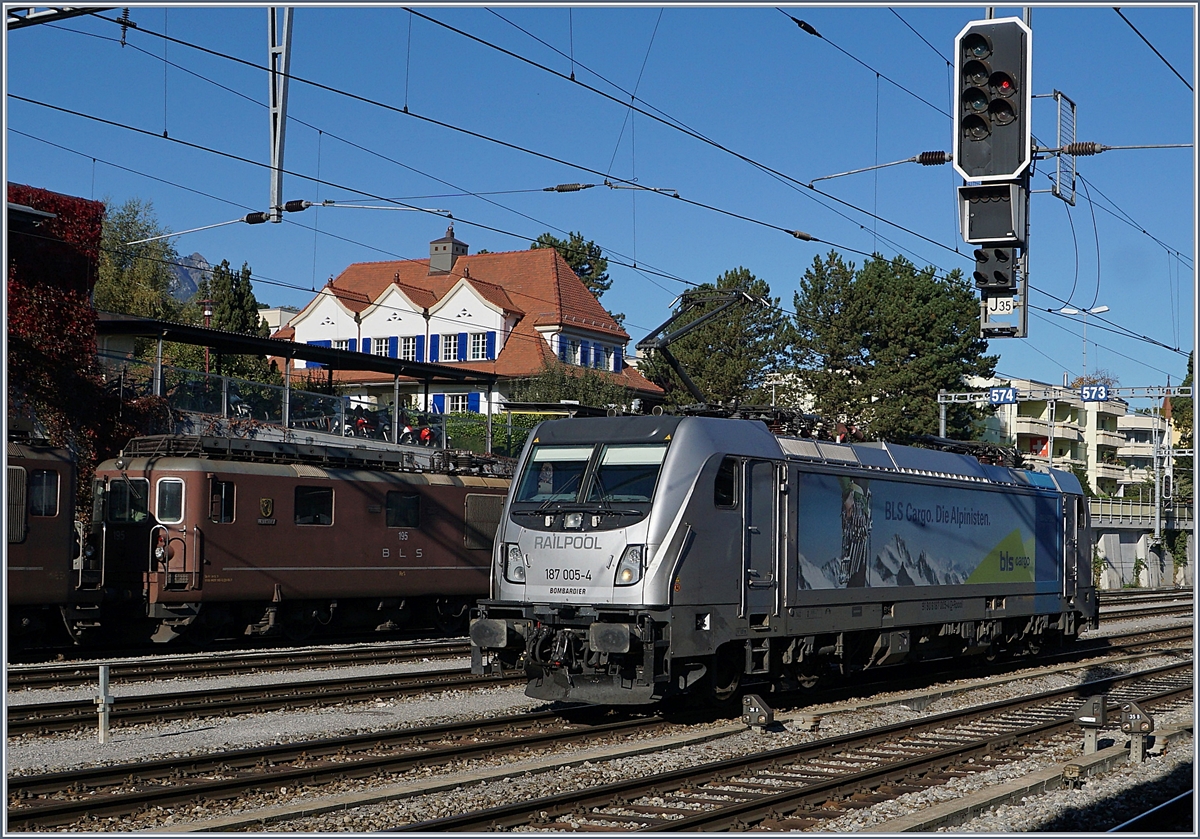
233, 343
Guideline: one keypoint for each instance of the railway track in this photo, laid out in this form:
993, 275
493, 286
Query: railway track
47, 718
34, 676
799, 787
40, 676
64, 798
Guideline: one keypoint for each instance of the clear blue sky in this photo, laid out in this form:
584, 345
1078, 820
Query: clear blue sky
747, 78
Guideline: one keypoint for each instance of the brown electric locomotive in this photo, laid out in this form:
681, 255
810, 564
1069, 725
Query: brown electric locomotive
49, 578
228, 537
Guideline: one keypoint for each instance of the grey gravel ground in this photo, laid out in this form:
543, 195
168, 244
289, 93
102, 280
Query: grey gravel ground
29, 754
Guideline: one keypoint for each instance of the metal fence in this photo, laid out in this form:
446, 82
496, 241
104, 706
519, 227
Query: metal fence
1123, 511
241, 399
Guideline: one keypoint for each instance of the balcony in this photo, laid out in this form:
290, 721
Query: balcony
1128, 449
1038, 427
1107, 471
1113, 439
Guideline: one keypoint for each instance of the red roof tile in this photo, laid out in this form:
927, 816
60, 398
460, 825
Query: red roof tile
538, 286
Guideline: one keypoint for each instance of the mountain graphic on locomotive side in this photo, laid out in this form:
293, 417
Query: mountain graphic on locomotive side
640, 558
205, 537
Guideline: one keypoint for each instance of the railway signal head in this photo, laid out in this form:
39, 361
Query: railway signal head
994, 269
992, 132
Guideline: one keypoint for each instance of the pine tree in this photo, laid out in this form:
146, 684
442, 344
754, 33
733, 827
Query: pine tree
874, 346
730, 357
585, 258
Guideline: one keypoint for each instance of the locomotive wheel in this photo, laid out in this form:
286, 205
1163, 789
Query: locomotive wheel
450, 614
726, 674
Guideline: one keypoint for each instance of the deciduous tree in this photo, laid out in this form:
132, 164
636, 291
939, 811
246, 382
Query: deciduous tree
135, 279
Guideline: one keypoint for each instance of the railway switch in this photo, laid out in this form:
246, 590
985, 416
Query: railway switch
755, 712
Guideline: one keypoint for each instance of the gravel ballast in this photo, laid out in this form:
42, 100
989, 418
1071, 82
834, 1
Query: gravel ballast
524, 778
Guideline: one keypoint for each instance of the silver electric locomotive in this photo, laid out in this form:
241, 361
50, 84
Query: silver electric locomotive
645, 557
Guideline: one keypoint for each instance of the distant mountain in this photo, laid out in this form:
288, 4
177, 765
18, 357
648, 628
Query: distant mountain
813, 576
895, 566
186, 276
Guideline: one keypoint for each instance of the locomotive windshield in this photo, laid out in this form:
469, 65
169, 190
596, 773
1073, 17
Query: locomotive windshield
127, 500
593, 474
554, 473
626, 473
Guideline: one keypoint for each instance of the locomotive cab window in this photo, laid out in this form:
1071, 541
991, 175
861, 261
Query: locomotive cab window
43, 492
553, 473
725, 486
314, 505
220, 507
627, 473
128, 500
169, 509
403, 509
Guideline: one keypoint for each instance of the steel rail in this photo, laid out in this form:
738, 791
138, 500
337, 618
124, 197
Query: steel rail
225, 664
211, 702
37, 800
546, 813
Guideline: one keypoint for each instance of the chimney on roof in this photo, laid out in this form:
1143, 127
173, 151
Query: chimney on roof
444, 252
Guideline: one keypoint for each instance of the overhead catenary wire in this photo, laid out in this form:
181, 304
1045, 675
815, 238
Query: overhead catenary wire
477, 135
847, 249
1117, 9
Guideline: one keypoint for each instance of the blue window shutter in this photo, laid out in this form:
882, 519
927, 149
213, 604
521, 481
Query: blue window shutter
597, 355
366, 345
439, 400
473, 402
462, 346
352, 345
434, 355
584, 357
562, 347
617, 364
420, 348
393, 347
308, 364
491, 346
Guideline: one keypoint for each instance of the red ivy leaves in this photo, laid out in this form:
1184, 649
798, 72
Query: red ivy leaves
52, 369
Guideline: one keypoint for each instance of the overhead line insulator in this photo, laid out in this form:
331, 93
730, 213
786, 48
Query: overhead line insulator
934, 158
1083, 149
257, 218
800, 234
567, 187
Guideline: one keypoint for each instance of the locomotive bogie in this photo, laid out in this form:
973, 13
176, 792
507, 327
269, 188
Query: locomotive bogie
770, 561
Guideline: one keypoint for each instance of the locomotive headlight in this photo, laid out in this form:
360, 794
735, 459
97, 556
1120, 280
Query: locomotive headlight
573, 521
629, 569
514, 563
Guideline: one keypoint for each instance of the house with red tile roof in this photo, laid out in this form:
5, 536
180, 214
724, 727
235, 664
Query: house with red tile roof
502, 313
